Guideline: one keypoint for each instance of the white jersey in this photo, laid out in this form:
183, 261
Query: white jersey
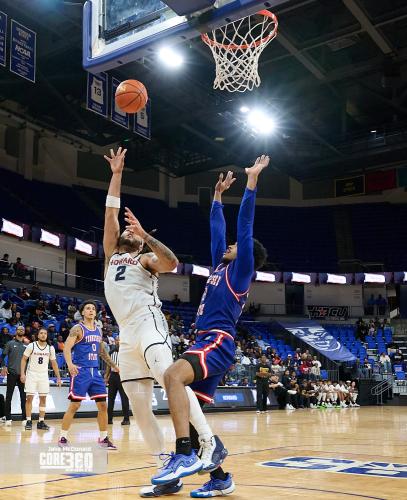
129, 286
39, 358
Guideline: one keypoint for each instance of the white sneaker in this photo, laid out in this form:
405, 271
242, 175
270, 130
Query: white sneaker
2, 420
329, 405
8, 422
288, 407
356, 405
292, 407
23, 422
258, 412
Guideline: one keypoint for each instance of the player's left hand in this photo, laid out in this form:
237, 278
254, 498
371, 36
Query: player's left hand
116, 160
260, 164
134, 224
59, 382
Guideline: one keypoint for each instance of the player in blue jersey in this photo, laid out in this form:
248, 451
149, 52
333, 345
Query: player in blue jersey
203, 365
83, 348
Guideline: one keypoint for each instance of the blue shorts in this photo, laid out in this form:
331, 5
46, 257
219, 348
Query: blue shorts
210, 358
88, 381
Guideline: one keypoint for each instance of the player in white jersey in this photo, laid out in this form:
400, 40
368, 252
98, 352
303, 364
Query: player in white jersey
39, 355
131, 283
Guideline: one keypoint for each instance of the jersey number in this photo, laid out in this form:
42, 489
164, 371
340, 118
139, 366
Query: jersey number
120, 273
40, 360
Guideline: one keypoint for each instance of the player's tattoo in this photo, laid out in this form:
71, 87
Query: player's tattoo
159, 248
105, 356
75, 331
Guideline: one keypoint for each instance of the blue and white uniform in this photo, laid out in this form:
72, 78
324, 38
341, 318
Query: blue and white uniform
223, 300
85, 355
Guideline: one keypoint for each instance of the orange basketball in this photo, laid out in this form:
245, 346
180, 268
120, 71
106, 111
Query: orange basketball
131, 96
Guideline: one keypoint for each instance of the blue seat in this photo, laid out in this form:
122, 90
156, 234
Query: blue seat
324, 374
401, 375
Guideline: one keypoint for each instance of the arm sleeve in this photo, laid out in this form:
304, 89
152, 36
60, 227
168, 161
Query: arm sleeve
243, 268
218, 233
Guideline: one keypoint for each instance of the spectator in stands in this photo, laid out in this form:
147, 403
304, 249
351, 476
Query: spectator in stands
397, 358
381, 304
21, 270
361, 329
286, 379
175, 339
71, 310
52, 332
59, 344
385, 362
176, 301
5, 266
5, 336
290, 361
55, 306
315, 370
5, 311
23, 294
77, 316
35, 292
244, 382
370, 309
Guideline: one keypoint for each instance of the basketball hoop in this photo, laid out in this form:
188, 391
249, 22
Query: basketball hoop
236, 49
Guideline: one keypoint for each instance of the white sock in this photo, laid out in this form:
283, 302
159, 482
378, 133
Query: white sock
28, 417
103, 435
41, 419
63, 434
197, 417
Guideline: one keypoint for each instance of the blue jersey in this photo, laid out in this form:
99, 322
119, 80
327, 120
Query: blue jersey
227, 287
86, 350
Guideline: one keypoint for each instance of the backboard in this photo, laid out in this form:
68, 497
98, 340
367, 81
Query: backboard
116, 32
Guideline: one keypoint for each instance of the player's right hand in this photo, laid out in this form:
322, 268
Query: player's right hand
73, 370
22, 379
4, 371
224, 185
116, 160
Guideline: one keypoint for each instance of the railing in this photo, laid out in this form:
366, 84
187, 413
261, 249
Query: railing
379, 389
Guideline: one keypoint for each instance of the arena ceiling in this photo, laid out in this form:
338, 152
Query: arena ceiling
336, 72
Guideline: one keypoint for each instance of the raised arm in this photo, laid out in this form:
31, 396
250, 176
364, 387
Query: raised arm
243, 268
217, 220
163, 260
112, 227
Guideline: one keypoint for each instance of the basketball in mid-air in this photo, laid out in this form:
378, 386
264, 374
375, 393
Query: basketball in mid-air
131, 96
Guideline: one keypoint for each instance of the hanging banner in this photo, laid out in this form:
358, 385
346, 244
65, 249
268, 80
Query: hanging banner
350, 186
142, 121
117, 115
380, 181
317, 337
96, 96
3, 38
23, 51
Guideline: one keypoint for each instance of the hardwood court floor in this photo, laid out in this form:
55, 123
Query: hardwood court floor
376, 434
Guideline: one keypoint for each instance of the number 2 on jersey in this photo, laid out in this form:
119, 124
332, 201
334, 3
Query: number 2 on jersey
120, 273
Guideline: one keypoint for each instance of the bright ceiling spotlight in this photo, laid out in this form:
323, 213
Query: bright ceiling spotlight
170, 57
261, 123
244, 109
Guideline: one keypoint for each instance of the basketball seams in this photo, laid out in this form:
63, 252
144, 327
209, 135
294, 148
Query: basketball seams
138, 92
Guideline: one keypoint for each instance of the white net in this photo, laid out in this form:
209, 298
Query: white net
236, 49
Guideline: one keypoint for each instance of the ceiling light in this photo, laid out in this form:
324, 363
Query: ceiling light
244, 109
170, 57
261, 123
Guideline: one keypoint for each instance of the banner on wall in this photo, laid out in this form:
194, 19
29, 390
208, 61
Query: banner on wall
337, 313
317, 337
117, 115
96, 95
3, 38
142, 121
380, 181
350, 186
23, 51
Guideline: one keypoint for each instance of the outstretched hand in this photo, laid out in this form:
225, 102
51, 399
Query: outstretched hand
224, 185
133, 224
116, 160
260, 164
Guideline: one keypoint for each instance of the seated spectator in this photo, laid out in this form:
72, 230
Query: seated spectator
5, 311
280, 393
5, 266
64, 332
23, 294
55, 306
315, 370
21, 270
77, 316
52, 332
385, 362
5, 336
176, 301
175, 339
244, 382
397, 358
59, 344
71, 310
35, 292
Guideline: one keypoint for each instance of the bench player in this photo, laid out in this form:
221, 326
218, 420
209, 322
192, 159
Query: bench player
131, 283
38, 355
85, 343
203, 365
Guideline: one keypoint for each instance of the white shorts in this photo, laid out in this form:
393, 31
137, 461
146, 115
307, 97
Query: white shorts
36, 383
145, 346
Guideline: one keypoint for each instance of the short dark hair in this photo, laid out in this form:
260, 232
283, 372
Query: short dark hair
82, 306
259, 253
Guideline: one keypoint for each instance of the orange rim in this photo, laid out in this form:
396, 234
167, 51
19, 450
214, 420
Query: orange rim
213, 43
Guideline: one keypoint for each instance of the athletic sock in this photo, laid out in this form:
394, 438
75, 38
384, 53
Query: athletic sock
103, 435
63, 434
41, 419
219, 473
183, 446
28, 417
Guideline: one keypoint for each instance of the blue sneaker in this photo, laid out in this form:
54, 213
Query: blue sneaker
177, 466
215, 488
212, 454
162, 489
